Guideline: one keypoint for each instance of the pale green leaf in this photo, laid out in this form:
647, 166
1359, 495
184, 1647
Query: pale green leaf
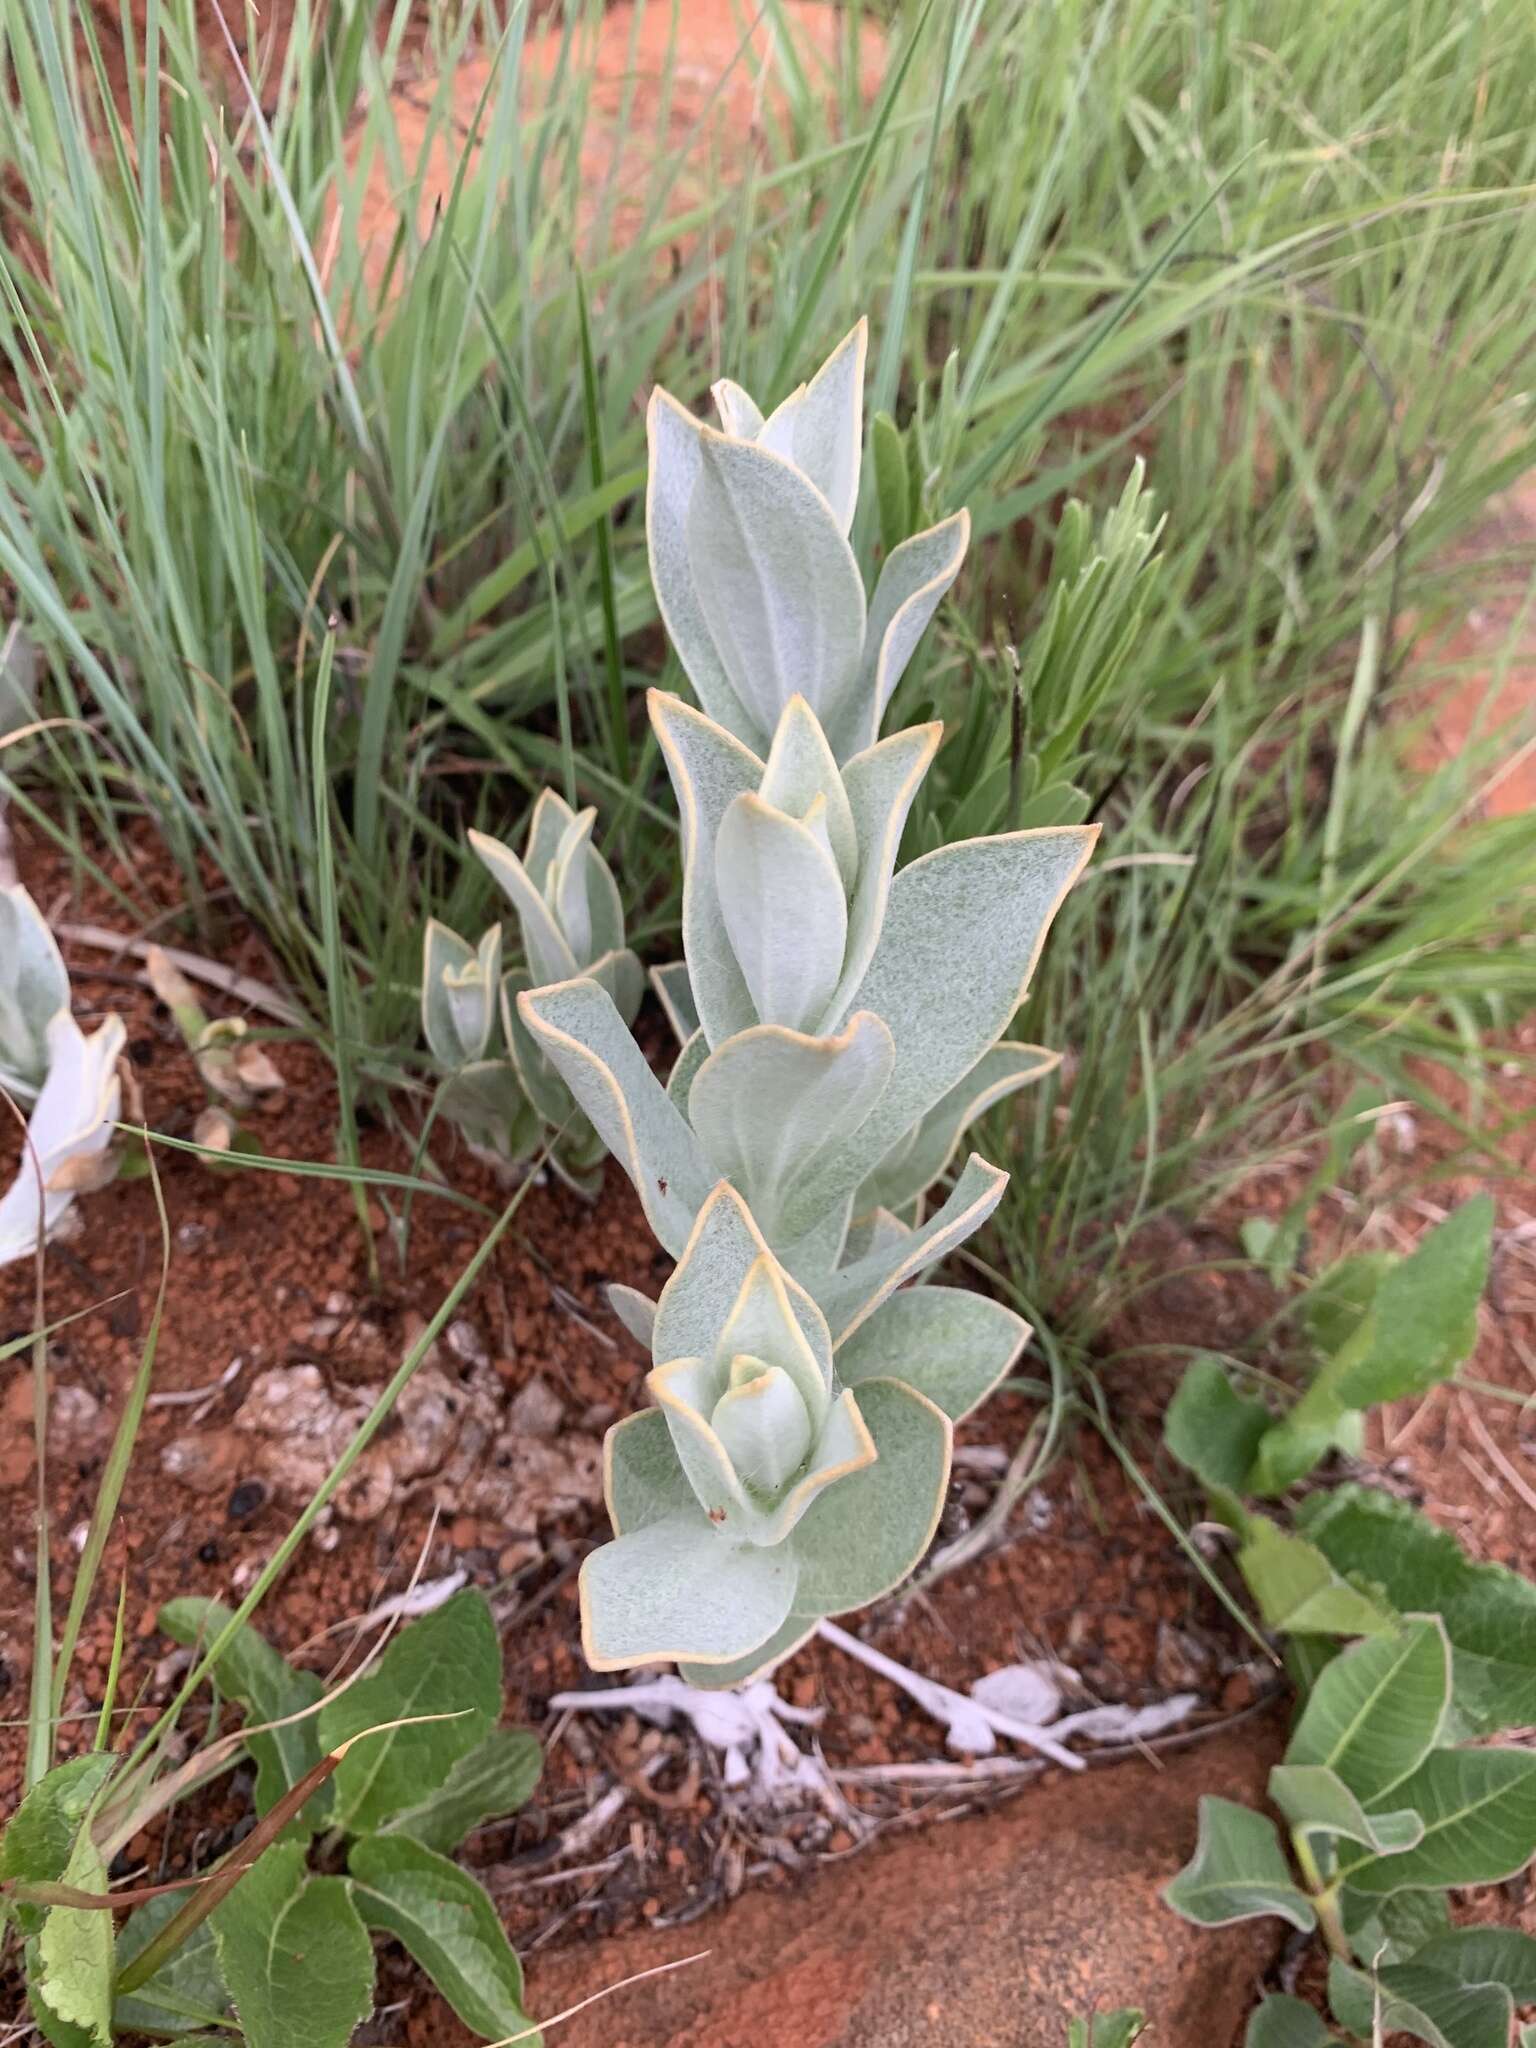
496, 1777
913, 580
675, 994
1238, 1872
1423, 1321
785, 911
681, 1588
294, 1954
784, 1641
862, 1535
854, 1292
643, 1479
581, 1031
39, 1837
1479, 1812
776, 584
447, 1923
879, 786
1298, 1590
770, 1105
1316, 1801
1377, 1711
963, 929
709, 770
908, 1172
74, 1950
946, 1342
819, 427
545, 947
447, 1663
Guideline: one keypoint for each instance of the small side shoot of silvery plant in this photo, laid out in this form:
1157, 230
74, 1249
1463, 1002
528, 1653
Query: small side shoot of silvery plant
375, 1783
497, 1086
842, 1024
68, 1079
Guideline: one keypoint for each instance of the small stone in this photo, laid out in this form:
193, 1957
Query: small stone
1238, 1692
536, 1410
651, 1908
466, 1343
514, 1556
598, 1416
337, 1303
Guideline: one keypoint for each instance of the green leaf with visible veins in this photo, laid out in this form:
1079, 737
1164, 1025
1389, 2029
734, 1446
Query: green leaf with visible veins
1316, 1801
1479, 1811
447, 1663
186, 1991
1405, 1998
295, 1956
1238, 1872
74, 1950
494, 1778
261, 1680
40, 1835
1489, 1613
1485, 1955
1298, 1590
1283, 2022
448, 1924
1214, 1430
1376, 1712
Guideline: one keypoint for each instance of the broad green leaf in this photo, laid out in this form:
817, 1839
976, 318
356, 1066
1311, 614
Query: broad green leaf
1405, 1998
268, 1687
1479, 1812
1116, 2029
1485, 1955
862, 1535
187, 1991
496, 1777
1395, 1928
1338, 1301
681, 1588
448, 1924
1298, 1590
74, 1950
1283, 2022
447, 1663
1238, 1872
294, 1954
40, 1836
1316, 1801
1489, 1613
1212, 1429
945, 1342
1423, 1321
1377, 1711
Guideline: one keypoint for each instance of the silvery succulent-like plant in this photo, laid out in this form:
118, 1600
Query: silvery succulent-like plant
499, 1087
841, 1020
70, 1078
772, 1484
756, 580
34, 987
